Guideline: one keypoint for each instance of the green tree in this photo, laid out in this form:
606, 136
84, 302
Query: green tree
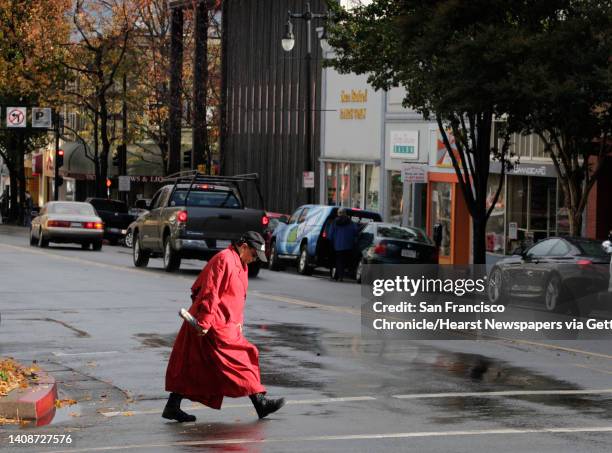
31, 52
460, 63
571, 91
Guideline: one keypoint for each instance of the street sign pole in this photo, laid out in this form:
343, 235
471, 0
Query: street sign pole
55, 166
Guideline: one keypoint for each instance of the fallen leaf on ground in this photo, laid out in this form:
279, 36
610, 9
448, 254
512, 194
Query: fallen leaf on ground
63, 403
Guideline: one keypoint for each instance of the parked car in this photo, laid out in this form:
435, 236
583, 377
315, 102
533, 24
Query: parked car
67, 222
195, 216
115, 215
387, 243
303, 239
274, 219
565, 273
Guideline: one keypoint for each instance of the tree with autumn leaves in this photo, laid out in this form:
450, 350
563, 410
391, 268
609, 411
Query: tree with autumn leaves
32, 38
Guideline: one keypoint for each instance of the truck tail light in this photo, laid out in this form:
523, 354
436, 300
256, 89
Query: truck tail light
265, 220
58, 224
181, 216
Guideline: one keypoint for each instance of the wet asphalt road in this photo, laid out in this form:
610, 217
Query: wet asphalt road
104, 329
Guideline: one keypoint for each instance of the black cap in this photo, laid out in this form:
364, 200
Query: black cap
255, 240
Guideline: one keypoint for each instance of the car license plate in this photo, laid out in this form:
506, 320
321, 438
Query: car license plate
114, 230
223, 244
406, 253
76, 225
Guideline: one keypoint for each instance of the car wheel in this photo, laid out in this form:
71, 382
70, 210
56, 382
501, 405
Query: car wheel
303, 267
140, 256
42, 241
127, 241
254, 269
273, 262
495, 289
85, 245
97, 246
32, 238
553, 301
172, 261
359, 272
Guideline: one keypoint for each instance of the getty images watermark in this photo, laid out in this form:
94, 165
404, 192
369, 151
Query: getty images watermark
464, 302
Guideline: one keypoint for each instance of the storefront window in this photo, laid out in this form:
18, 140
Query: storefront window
396, 197
372, 183
331, 181
495, 224
345, 186
441, 213
542, 207
355, 186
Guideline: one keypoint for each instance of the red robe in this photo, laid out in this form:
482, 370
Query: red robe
222, 362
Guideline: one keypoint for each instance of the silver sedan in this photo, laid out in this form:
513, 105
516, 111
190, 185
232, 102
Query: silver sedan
67, 222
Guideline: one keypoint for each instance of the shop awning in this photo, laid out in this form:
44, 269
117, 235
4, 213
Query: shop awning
349, 160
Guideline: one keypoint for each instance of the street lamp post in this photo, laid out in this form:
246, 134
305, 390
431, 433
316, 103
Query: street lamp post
288, 41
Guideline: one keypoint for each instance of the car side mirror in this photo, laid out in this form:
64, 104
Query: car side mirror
437, 234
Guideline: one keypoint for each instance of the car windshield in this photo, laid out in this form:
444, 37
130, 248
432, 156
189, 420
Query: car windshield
109, 205
592, 248
205, 199
406, 233
71, 209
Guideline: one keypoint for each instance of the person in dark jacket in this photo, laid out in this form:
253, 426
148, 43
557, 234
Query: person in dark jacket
342, 235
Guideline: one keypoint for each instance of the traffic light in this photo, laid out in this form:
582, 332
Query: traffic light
108, 183
60, 181
60, 158
116, 158
187, 159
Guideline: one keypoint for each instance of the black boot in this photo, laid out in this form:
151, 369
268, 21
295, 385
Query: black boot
265, 406
173, 411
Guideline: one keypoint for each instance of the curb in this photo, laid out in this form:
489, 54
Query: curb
36, 402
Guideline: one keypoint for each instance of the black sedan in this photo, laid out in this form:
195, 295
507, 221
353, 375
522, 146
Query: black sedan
386, 243
563, 273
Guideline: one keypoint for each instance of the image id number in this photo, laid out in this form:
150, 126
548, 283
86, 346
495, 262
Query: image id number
40, 439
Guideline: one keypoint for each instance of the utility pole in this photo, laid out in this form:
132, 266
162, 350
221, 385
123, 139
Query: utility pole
56, 176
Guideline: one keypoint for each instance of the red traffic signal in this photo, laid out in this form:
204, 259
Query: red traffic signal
108, 182
60, 158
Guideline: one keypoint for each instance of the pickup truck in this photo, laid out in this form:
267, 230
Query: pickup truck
194, 216
115, 215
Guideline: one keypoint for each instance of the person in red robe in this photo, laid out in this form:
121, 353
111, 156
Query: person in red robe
218, 361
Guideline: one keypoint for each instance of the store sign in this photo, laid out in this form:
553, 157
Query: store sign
525, 169
405, 145
308, 180
353, 96
414, 173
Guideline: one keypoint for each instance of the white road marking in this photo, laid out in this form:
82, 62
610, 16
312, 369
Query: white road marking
504, 393
349, 437
70, 354
233, 406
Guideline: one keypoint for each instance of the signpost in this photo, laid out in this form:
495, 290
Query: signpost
42, 118
124, 183
16, 116
414, 173
308, 180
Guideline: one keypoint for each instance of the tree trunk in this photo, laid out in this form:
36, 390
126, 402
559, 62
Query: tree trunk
21, 178
200, 87
176, 76
479, 249
13, 214
575, 222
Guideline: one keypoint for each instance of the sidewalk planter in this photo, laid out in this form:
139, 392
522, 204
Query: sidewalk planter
37, 402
